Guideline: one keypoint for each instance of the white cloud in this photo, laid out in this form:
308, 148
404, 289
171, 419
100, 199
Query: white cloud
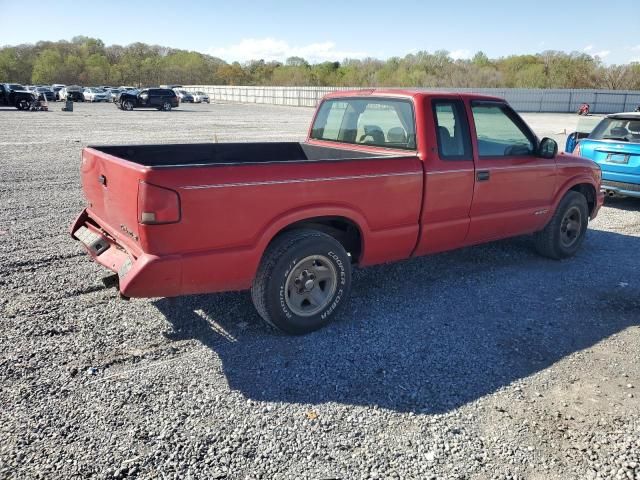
461, 54
588, 48
273, 49
636, 48
602, 53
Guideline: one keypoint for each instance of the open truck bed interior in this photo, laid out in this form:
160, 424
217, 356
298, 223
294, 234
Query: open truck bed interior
230, 153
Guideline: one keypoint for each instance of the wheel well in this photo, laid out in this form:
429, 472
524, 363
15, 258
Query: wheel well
342, 229
589, 193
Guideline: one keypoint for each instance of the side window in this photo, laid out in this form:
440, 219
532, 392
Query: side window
500, 132
452, 130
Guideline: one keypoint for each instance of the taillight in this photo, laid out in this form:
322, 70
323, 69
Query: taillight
157, 205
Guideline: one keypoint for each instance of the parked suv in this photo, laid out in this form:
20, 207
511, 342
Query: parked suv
160, 98
14, 94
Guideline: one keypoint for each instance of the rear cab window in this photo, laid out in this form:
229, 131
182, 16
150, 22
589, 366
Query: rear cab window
380, 122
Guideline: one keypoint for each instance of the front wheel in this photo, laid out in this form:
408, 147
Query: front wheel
127, 105
564, 234
303, 280
23, 104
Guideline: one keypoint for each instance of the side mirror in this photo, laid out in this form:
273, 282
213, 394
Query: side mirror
548, 148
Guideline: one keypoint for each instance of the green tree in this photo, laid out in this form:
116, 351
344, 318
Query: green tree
47, 67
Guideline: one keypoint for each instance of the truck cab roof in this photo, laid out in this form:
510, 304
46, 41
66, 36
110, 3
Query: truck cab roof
410, 93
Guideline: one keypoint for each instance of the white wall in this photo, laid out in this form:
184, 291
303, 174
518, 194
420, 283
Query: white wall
523, 100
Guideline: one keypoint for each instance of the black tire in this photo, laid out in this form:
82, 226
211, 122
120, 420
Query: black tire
565, 232
277, 285
166, 106
127, 105
23, 104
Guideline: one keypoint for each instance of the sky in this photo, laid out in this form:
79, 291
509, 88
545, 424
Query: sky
333, 30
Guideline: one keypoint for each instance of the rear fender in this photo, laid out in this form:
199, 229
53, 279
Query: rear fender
305, 213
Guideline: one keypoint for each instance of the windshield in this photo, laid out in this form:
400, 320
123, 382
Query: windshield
369, 121
625, 130
16, 86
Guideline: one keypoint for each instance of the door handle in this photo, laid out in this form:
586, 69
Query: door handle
483, 175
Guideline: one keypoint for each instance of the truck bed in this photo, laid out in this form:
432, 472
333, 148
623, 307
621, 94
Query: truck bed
231, 200
175, 155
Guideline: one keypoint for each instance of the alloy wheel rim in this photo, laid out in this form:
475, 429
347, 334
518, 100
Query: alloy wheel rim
310, 285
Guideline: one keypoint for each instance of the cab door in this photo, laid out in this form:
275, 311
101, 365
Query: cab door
449, 176
513, 187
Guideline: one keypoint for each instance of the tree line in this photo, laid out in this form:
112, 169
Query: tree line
88, 61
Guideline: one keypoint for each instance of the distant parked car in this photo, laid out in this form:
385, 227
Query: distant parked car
159, 98
45, 92
56, 87
123, 87
113, 93
200, 97
14, 94
614, 144
72, 92
96, 95
184, 96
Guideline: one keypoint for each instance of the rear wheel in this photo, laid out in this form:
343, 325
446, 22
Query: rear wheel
166, 106
564, 234
303, 280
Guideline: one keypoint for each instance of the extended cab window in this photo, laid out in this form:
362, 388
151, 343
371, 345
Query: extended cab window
370, 121
452, 130
500, 131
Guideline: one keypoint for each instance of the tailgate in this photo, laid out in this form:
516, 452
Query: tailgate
618, 157
110, 186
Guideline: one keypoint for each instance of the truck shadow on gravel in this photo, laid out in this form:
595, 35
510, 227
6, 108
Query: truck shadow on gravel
430, 334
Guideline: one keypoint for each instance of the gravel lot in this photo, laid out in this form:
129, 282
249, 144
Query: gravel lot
489, 362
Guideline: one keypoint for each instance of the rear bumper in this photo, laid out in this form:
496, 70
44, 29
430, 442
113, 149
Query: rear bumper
142, 276
148, 275
621, 188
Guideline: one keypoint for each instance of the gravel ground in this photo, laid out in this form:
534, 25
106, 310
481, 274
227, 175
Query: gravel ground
489, 362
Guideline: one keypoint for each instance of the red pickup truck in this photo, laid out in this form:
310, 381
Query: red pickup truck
384, 175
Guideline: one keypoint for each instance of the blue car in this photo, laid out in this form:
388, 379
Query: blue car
615, 145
